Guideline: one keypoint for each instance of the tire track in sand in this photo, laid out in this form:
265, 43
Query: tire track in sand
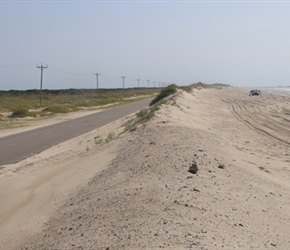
267, 119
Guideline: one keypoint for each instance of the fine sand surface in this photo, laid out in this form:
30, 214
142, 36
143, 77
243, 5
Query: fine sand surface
135, 191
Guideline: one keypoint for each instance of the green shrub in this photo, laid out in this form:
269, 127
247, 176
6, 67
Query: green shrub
169, 90
98, 140
129, 127
56, 110
110, 137
20, 112
144, 114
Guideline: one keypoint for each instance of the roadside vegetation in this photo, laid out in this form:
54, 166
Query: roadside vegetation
143, 116
100, 140
71, 99
20, 112
16, 104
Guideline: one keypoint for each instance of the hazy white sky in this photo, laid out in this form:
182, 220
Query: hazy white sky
242, 43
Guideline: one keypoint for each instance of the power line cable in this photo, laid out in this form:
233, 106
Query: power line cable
112, 77
58, 74
17, 66
67, 72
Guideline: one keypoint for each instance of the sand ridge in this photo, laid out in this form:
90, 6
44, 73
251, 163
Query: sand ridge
145, 198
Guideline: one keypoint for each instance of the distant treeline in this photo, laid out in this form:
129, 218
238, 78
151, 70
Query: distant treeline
101, 91
75, 91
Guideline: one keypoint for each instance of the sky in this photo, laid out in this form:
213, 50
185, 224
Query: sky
241, 43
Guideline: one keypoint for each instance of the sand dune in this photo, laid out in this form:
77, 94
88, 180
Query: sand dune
135, 192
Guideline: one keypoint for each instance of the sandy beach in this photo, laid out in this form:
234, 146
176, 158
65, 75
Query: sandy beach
135, 191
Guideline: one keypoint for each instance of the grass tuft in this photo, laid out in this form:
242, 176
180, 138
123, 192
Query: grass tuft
169, 90
55, 110
20, 113
142, 116
98, 140
110, 137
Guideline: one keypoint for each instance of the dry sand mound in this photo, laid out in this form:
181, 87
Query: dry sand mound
146, 198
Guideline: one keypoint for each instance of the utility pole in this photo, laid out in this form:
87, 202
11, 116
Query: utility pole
138, 82
97, 79
154, 83
148, 82
41, 77
123, 81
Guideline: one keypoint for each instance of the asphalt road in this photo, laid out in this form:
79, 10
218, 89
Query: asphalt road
17, 147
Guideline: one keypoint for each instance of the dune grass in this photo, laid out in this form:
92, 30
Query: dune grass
169, 90
142, 116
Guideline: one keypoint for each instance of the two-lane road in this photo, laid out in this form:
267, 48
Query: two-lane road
17, 147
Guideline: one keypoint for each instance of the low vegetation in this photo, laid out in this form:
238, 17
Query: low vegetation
142, 116
99, 140
171, 89
69, 99
110, 137
56, 110
20, 112
16, 104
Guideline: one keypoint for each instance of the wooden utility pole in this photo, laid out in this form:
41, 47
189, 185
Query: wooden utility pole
41, 78
123, 81
97, 79
138, 82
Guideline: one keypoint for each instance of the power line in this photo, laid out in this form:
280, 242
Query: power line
67, 72
112, 77
52, 70
16, 65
